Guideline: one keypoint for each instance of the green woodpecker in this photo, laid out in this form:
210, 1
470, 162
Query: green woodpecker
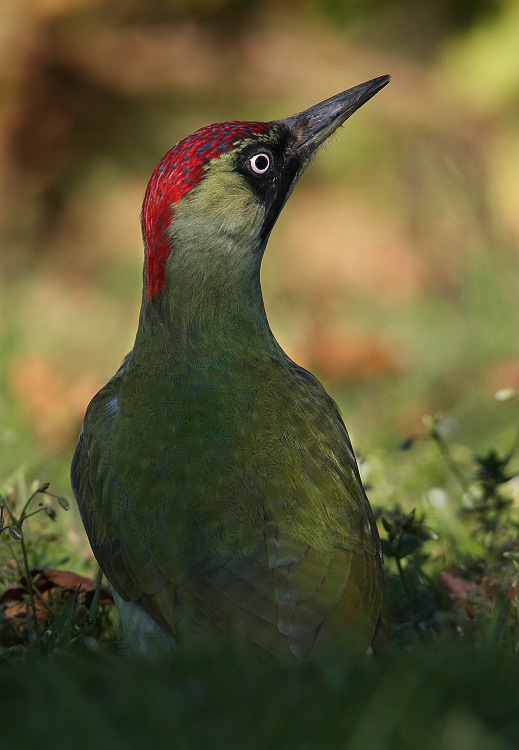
214, 476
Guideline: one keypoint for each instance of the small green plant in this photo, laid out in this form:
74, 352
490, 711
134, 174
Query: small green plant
15, 528
442, 585
43, 609
406, 536
484, 502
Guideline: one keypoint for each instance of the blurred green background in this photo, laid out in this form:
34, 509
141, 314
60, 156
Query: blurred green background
392, 273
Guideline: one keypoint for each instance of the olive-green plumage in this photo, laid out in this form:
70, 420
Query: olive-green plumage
215, 477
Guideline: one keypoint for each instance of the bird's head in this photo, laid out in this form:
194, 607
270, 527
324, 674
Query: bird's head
219, 191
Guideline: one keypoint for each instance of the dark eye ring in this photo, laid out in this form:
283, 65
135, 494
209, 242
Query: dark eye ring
259, 163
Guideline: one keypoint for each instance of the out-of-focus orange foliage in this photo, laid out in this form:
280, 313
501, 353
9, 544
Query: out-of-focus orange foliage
507, 372
343, 352
53, 405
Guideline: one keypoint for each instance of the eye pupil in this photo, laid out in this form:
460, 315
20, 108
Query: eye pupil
259, 163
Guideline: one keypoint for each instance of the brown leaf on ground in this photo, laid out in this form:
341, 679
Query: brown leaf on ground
52, 585
469, 595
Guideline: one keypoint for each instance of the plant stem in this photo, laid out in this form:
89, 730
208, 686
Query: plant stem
407, 590
33, 626
23, 514
451, 463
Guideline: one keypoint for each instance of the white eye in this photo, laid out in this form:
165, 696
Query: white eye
259, 163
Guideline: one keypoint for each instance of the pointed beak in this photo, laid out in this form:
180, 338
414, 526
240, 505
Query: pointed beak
313, 126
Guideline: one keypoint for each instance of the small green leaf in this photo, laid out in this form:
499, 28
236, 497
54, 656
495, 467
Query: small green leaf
385, 523
408, 544
408, 520
15, 534
387, 548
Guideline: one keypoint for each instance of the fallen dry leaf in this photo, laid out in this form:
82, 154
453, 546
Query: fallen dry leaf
467, 594
52, 585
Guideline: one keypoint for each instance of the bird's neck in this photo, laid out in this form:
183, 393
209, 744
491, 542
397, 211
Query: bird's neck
210, 310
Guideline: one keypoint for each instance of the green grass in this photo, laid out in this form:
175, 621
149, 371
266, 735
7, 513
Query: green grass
435, 698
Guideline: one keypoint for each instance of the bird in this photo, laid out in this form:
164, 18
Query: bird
214, 476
